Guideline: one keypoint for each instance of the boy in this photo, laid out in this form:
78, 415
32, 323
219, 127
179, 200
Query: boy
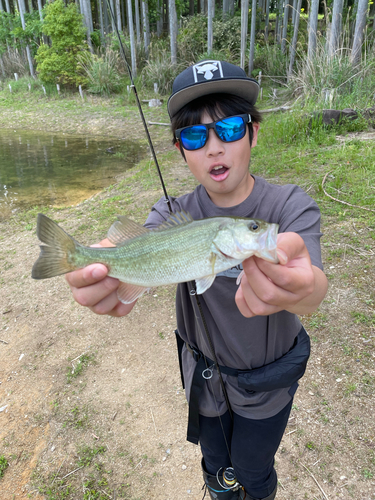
253, 330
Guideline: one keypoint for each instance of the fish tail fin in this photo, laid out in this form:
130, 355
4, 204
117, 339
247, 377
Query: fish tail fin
54, 259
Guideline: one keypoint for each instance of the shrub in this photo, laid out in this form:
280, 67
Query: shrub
58, 63
101, 71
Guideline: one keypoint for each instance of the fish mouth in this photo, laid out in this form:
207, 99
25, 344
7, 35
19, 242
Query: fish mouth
268, 244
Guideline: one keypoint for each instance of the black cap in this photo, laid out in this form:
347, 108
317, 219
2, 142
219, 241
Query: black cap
208, 77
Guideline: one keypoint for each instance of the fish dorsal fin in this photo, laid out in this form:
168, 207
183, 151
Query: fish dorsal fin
204, 283
176, 219
129, 293
124, 229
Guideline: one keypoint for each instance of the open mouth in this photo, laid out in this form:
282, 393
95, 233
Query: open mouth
219, 172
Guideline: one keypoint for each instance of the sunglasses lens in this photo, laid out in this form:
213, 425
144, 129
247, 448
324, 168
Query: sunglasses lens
193, 137
231, 129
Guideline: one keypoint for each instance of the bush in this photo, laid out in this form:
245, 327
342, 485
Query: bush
101, 71
58, 63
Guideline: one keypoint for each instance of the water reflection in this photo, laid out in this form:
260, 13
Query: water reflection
50, 169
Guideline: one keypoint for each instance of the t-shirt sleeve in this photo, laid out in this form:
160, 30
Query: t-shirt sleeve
301, 215
159, 214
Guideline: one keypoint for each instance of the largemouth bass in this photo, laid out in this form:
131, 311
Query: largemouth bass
180, 250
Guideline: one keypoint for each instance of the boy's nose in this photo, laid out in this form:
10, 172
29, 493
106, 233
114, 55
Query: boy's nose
214, 145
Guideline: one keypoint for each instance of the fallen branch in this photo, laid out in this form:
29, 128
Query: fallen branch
312, 475
73, 471
4, 342
340, 201
160, 123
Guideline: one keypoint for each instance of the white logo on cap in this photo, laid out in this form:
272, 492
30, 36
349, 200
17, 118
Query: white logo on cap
207, 69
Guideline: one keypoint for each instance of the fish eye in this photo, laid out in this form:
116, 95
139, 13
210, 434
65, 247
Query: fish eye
253, 226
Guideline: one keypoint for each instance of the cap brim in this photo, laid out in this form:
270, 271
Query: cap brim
246, 88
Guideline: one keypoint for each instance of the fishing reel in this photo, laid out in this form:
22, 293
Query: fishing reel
229, 479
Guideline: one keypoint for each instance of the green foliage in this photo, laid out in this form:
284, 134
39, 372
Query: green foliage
101, 71
3, 465
160, 70
58, 64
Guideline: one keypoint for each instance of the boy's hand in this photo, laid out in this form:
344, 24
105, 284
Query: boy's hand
293, 285
92, 288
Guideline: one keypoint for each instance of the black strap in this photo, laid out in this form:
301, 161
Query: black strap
195, 392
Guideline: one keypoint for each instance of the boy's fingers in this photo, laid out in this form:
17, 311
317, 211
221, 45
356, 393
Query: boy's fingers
290, 246
86, 276
91, 295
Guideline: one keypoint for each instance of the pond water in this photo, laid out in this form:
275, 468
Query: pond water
48, 169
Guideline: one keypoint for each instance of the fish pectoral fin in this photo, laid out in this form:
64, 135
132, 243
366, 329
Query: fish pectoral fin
239, 277
129, 293
124, 229
204, 284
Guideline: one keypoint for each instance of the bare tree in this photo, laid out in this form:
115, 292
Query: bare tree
118, 16
360, 26
173, 30
244, 25
312, 28
146, 26
252, 35
21, 6
285, 27
137, 21
295, 38
210, 6
335, 35
266, 24
132, 40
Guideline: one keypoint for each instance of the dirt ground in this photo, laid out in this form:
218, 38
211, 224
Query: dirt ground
93, 408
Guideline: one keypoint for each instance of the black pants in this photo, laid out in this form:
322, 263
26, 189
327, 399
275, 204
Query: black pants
252, 443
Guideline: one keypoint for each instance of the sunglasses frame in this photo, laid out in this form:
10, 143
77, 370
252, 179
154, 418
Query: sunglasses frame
246, 118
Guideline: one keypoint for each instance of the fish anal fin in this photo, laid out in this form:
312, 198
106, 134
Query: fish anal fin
204, 283
127, 293
176, 219
124, 229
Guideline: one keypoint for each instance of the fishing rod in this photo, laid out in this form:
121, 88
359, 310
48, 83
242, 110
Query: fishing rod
228, 474
122, 50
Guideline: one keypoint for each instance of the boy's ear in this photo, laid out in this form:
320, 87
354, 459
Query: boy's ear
256, 127
177, 145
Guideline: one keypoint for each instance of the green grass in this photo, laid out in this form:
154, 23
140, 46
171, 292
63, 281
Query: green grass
3, 465
79, 366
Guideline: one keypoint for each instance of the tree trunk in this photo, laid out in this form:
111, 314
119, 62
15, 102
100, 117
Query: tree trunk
101, 22
137, 22
231, 8
173, 30
225, 7
105, 16
295, 38
252, 36
312, 29
191, 7
209, 26
146, 26
244, 25
335, 27
86, 15
40, 7
132, 40
21, 7
159, 18
360, 26
285, 27
112, 15
267, 21
7, 6
118, 16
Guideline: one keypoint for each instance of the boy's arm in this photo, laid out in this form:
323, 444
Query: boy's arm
92, 288
294, 285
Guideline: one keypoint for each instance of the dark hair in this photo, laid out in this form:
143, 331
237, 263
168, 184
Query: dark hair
216, 106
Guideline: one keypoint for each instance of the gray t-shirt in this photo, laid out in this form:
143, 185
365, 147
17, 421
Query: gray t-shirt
239, 342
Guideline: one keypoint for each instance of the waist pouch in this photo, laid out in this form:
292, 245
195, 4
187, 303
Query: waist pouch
282, 373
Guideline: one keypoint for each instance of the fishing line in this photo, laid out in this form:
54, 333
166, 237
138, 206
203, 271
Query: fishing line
122, 50
208, 336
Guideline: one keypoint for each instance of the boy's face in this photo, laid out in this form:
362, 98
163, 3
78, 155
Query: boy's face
223, 167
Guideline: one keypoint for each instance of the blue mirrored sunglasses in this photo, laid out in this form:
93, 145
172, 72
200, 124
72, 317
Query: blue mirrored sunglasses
229, 129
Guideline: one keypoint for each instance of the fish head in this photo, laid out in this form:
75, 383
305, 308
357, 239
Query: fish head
242, 238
